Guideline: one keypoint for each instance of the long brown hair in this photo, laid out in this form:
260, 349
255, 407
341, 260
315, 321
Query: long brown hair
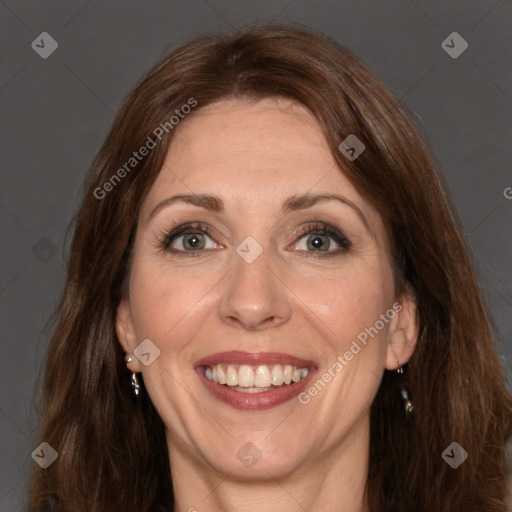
112, 451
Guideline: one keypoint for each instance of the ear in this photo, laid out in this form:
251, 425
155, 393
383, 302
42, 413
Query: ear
125, 330
403, 332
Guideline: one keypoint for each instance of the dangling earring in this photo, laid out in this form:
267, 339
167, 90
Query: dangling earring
134, 381
405, 395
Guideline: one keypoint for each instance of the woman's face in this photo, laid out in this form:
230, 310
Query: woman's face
283, 274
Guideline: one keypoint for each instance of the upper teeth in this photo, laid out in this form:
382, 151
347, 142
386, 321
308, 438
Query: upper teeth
261, 376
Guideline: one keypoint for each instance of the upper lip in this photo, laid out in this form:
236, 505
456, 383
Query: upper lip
255, 359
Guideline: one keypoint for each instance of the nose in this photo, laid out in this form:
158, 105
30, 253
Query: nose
255, 297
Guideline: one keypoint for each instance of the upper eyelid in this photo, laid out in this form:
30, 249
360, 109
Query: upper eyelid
316, 225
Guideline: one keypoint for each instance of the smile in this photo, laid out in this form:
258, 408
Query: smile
254, 381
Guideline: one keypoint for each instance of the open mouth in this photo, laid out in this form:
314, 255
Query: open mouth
259, 381
254, 379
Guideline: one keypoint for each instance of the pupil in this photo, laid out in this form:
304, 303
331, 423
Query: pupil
317, 242
194, 241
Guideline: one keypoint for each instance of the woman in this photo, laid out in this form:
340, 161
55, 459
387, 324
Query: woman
267, 257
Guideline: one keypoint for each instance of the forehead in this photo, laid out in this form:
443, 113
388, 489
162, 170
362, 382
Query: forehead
264, 136
252, 154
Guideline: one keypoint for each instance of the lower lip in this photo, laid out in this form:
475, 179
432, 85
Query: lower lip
255, 401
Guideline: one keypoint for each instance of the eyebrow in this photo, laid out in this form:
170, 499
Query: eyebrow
292, 203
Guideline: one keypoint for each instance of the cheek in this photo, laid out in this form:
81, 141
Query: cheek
350, 300
167, 304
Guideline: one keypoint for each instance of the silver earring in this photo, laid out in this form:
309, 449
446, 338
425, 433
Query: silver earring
405, 395
135, 385
134, 380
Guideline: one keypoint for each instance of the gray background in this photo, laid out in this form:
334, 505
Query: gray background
57, 111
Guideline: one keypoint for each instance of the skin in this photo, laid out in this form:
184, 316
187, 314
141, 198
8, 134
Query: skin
254, 155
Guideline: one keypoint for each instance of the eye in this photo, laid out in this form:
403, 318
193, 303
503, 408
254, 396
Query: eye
322, 238
316, 240
192, 237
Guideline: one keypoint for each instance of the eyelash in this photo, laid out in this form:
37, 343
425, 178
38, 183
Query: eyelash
316, 228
